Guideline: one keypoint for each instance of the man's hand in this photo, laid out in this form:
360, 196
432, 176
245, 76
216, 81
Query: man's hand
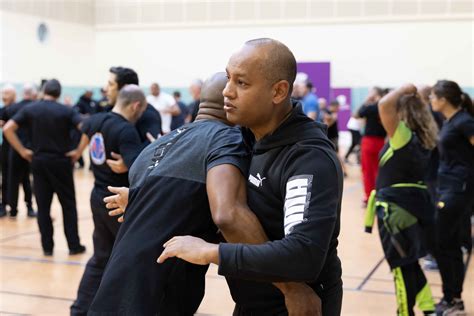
118, 202
150, 137
190, 249
27, 154
301, 300
117, 165
74, 155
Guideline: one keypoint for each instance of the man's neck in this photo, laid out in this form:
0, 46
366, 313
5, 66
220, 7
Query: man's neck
278, 118
118, 110
49, 98
212, 111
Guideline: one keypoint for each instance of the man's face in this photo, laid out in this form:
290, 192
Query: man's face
112, 89
8, 97
248, 94
155, 89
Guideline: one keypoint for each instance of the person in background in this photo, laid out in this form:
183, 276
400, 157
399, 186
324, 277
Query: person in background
354, 127
180, 119
401, 202
372, 141
193, 107
19, 168
455, 190
165, 104
50, 124
8, 98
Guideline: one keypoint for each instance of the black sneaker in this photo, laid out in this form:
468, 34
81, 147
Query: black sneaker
78, 250
31, 212
48, 253
453, 308
13, 214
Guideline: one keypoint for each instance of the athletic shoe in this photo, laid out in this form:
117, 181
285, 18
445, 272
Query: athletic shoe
48, 253
430, 263
31, 212
453, 308
13, 214
78, 250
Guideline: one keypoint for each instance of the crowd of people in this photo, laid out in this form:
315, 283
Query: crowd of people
262, 186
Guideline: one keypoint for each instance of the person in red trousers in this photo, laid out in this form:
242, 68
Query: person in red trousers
372, 141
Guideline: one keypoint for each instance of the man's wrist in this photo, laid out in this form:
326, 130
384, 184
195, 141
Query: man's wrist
212, 253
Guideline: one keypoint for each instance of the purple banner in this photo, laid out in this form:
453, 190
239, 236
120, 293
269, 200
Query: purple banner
320, 76
343, 96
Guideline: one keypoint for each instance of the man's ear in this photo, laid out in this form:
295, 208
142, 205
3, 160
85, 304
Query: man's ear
281, 91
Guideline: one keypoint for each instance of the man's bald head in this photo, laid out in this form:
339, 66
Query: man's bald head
211, 90
8, 94
277, 62
130, 94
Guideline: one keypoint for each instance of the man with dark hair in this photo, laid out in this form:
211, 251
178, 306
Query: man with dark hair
19, 168
294, 188
150, 121
50, 124
107, 132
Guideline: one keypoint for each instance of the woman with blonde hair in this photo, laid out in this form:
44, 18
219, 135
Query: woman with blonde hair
401, 201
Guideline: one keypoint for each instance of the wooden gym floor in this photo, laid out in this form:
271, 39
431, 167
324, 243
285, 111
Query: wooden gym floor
31, 284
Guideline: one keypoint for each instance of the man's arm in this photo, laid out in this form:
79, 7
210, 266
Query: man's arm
9, 130
76, 153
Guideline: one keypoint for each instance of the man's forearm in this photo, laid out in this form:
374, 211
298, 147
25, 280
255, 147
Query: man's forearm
246, 229
13, 139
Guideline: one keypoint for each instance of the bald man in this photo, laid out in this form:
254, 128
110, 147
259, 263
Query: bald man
8, 99
294, 188
107, 132
19, 168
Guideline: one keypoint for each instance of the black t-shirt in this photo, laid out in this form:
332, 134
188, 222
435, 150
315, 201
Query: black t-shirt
193, 108
456, 151
86, 106
178, 121
149, 122
167, 198
402, 159
22, 132
373, 126
111, 132
333, 130
50, 124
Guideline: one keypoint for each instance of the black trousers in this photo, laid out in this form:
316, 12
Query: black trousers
355, 136
4, 149
19, 173
55, 176
331, 300
105, 231
452, 228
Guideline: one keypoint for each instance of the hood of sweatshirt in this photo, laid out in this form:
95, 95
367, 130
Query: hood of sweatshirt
297, 127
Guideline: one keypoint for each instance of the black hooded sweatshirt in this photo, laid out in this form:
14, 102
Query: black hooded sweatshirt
295, 189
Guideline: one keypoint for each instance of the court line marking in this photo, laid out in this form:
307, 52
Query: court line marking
8, 238
13, 313
38, 296
41, 260
367, 278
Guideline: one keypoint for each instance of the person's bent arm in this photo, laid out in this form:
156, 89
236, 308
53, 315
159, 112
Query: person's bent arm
9, 130
387, 107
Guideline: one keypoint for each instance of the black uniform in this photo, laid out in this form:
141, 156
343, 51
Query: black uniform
86, 106
178, 121
18, 168
108, 132
4, 149
295, 189
167, 197
456, 199
50, 124
149, 122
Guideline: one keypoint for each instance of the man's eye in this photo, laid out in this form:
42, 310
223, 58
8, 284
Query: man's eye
241, 83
